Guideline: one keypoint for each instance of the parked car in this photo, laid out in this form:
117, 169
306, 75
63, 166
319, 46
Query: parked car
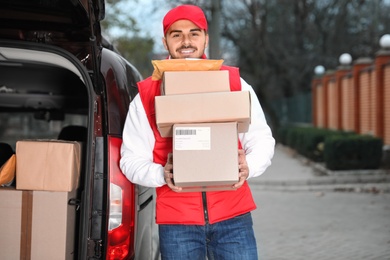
60, 79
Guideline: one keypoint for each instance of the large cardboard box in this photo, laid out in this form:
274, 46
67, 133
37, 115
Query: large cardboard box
205, 156
48, 165
36, 224
203, 108
190, 82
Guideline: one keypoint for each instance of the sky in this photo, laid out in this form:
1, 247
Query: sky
149, 15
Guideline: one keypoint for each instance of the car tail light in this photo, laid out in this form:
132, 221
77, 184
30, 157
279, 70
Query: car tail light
120, 242
115, 216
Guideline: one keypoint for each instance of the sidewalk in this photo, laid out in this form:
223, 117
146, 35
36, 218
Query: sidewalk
291, 171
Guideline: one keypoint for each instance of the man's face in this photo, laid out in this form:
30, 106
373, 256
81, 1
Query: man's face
185, 40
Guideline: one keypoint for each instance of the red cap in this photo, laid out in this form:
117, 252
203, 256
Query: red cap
185, 12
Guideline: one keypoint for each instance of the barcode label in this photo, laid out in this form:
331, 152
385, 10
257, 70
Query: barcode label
185, 132
192, 138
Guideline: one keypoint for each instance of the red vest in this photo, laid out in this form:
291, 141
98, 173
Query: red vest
187, 207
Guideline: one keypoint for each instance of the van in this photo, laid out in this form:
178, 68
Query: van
60, 79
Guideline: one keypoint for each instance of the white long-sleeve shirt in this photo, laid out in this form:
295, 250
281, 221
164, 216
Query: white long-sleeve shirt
138, 143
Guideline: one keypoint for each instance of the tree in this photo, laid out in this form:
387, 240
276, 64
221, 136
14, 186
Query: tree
126, 39
278, 42
139, 51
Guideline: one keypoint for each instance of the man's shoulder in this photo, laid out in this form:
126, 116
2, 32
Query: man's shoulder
148, 83
234, 77
226, 67
148, 89
148, 80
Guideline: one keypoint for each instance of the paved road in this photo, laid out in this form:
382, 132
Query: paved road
329, 221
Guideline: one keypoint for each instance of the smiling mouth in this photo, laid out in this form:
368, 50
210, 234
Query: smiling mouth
186, 51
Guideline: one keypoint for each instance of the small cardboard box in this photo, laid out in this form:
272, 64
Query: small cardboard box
48, 165
36, 224
205, 156
190, 82
203, 108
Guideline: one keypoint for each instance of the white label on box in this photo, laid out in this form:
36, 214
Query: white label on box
192, 138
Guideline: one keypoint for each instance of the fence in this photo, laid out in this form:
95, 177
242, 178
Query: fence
294, 109
355, 97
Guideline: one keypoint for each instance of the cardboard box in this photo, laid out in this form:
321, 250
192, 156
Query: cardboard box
205, 156
36, 224
48, 165
203, 108
190, 82
11, 223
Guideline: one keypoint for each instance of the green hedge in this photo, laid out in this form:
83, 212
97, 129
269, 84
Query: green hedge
282, 134
308, 141
338, 149
313, 143
353, 152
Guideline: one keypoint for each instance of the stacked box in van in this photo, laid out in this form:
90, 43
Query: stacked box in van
38, 220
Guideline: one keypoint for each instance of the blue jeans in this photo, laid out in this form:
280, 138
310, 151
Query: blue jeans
230, 239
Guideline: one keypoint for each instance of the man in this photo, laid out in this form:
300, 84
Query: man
194, 224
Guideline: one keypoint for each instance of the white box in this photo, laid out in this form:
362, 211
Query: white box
205, 156
37, 224
215, 107
190, 82
47, 165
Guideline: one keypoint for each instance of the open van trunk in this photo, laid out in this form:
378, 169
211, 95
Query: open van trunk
46, 94
60, 81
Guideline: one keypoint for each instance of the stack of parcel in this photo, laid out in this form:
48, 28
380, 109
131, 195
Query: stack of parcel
37, 218
203, 116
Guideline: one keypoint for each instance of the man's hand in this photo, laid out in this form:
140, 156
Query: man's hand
243, 170
168, 174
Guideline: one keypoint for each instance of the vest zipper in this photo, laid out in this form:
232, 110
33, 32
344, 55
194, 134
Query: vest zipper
205, 211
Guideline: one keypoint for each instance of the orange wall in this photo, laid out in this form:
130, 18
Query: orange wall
333, 109
346, 103
386, 101
355, 99
365, 102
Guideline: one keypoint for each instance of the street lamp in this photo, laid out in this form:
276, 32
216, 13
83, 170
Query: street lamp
319, 70
345, 59
384, 41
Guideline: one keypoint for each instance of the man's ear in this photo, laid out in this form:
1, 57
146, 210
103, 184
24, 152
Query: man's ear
164, 41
